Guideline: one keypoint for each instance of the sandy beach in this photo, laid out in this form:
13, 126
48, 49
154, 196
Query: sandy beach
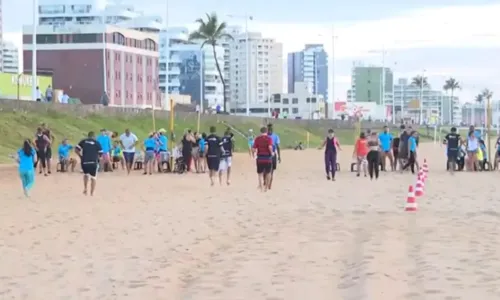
174, 237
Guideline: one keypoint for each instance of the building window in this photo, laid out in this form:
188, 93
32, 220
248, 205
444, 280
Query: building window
85, 38
118, 38
313, 100
295, 100
285, 100
295, 110
46, 39
285, 110
308, 100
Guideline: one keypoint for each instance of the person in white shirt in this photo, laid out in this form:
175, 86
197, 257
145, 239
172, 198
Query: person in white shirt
65, 98
38, 95
128, 141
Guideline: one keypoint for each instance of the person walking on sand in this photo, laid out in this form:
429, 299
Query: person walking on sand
89, 150
41, 143
452, 141
276, 153
386, 141
250, 139
412, 153
128, 141
213, 151
48, 154
472, 149
373, 155
26, 158
332, 146
263, 150
360, 152
403, 146
226, 157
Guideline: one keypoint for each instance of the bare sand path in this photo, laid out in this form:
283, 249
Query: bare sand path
173, 237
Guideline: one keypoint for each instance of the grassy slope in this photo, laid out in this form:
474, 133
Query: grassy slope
16, 126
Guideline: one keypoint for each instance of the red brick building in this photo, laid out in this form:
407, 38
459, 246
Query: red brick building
86, 60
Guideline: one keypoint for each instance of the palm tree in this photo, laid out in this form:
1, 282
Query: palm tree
421, 82
479, 98
210, 32
451, 84
487, 94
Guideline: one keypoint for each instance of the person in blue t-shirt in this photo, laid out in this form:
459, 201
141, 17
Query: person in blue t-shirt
202, 145
385, 139
250, 138
162, 155
104, 140
149, 153
276, 152
26, 158
117, 155
64, 156
412, 147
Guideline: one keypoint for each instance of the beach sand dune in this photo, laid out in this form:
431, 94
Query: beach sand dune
174, 237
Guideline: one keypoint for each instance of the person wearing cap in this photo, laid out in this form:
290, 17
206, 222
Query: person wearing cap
105, 141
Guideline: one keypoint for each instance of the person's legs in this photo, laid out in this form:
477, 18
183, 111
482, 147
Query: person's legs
48, 159
396, 158
328, 163
364, 163
391, 160
271, 174
383, 158
376, 168
359, 162
412, 162
93, 179
86, 176
42, 161
129, 160
334, 165
228, 174
371, 163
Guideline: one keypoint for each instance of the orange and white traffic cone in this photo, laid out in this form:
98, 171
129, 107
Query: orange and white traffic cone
419, 187
422, 175
411, 202
425, 167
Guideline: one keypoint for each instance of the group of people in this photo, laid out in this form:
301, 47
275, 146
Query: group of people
468, 153
371, 151
108, 149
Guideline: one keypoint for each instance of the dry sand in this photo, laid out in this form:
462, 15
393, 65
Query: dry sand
174, 237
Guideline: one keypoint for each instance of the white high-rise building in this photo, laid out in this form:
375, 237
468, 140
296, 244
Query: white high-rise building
186, 62
10, 54
265, 64
61, 13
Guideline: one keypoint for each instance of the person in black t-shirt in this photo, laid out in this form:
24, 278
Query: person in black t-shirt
89, 150
226, 156
395, 151
453, 142
213, 153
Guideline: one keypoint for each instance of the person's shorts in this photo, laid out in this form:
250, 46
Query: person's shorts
90, 169
264, 167
213, 163
48, 153
274, 163
472, 152
105, 157
163, 156
362, 160
195, 152
149, 156
225, 163
116, 159
129, 157
452, 155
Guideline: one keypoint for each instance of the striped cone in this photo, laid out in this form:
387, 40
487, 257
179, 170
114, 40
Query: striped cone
411, 202
422, 175
419, 187
425, 167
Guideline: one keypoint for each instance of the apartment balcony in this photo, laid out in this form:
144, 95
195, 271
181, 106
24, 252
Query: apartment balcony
174, 71
175, 59
174, 82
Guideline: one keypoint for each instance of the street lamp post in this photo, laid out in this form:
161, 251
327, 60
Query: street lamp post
33, 51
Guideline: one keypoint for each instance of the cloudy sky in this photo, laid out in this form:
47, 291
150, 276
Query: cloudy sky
458, 38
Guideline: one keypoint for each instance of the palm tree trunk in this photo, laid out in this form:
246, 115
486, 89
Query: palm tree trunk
488, 127
221, 77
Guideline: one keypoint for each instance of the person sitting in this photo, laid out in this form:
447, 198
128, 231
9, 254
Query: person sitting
300, 146
139, 160
65, 161
117, 156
